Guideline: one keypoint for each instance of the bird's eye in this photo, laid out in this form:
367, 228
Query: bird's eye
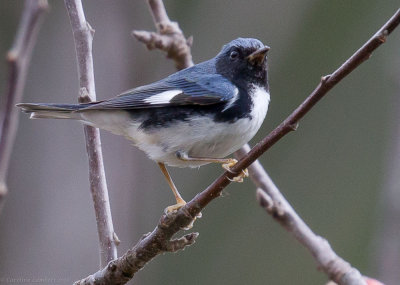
234, 55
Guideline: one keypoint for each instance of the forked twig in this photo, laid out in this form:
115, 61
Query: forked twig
169, 37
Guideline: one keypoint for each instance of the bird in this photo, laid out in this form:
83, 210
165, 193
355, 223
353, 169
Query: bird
193, 117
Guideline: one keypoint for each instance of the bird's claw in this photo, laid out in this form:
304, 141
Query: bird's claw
239, 178
176, 207
227, 166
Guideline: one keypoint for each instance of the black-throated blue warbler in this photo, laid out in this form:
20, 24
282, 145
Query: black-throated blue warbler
193, 117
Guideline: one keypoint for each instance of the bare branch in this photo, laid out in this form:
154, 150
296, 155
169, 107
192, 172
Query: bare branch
18, 59
181, 243
275, 204
270, 198
335, 267
122, 270
83, 37
169, 37
159, 12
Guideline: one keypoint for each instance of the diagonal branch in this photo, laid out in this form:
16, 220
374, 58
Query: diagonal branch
275, 204
18, 59
121, 270
83, 37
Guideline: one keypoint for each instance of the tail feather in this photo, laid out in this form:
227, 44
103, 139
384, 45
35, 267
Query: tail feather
54, 111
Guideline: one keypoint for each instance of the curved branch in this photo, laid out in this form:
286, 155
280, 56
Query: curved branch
83, 37
18, 59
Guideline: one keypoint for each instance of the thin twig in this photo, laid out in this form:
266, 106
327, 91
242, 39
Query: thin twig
18, 59
169, 37
154, 243
83, 37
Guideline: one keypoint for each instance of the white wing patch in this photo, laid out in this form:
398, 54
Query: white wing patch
232, 101
163, 97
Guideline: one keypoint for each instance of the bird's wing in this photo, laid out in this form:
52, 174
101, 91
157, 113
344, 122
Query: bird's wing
192, 89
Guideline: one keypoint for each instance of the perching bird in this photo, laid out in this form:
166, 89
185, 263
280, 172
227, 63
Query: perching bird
193, 117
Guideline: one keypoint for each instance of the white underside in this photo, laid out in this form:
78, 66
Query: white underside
198, 137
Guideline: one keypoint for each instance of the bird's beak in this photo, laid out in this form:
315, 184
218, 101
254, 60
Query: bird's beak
258, 57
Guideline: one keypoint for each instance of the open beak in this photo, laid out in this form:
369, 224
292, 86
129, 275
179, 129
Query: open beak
258, 57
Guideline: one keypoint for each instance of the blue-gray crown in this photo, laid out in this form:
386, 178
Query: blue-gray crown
247, 43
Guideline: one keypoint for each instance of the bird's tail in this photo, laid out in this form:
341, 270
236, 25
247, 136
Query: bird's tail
53, 111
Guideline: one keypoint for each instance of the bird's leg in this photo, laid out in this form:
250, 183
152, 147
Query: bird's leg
179, 200
227, 163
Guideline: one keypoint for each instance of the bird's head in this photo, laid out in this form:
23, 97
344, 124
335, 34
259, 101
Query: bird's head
244, 61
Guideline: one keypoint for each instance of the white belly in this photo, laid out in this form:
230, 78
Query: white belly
195, 138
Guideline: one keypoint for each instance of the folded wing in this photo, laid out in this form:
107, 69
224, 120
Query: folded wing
191, 89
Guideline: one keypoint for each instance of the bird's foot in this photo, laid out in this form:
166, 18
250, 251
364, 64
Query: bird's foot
227, 166
176, 207
230, 162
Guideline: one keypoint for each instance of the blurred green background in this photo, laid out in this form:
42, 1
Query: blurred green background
334, 169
